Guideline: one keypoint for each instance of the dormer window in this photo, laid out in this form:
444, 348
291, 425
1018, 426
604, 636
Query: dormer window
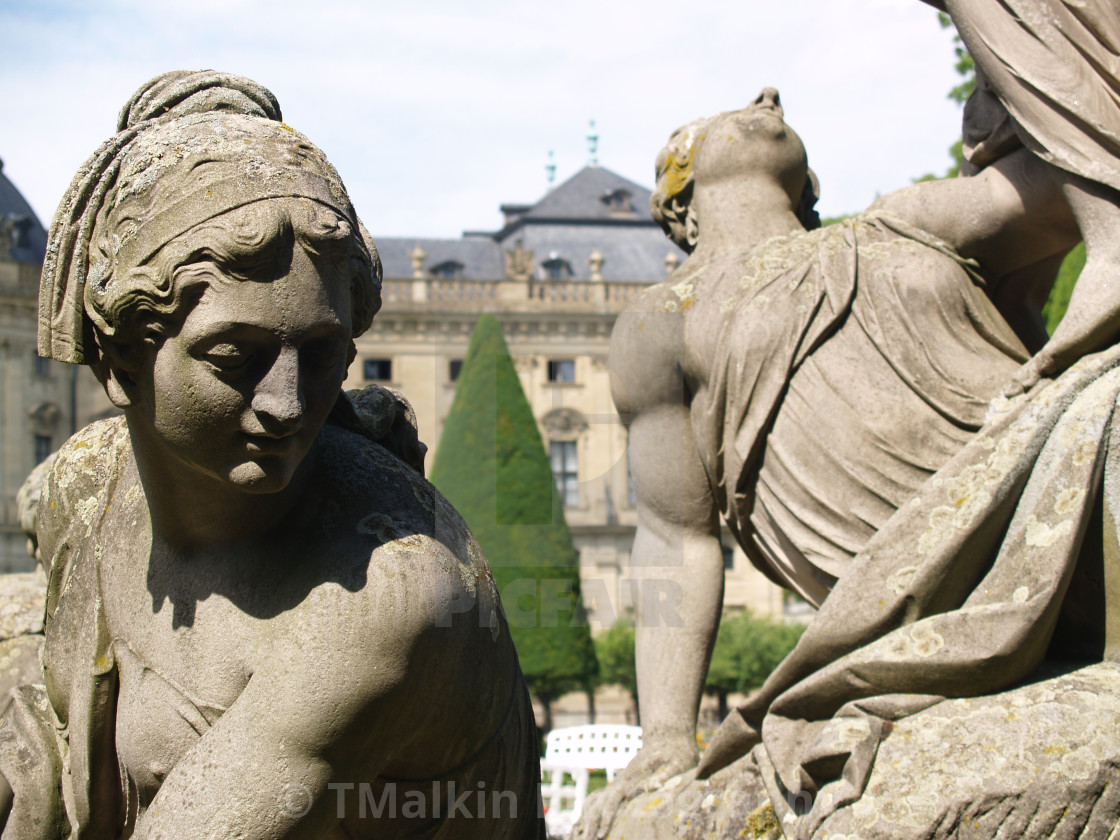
619, 203
556, 268
448, 270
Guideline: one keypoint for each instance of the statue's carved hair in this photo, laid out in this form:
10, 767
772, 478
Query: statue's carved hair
671, 200
242, 244
191, 148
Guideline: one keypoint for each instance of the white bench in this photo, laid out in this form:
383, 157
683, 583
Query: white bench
570, 754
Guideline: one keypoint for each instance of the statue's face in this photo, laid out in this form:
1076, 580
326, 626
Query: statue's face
754, 139
240, 392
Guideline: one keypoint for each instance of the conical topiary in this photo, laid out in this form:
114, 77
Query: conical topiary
493, 468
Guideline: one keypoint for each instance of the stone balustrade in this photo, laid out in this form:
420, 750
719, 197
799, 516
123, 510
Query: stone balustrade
570, 295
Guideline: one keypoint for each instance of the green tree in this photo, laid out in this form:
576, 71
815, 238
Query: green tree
966, 69
965, 66
748, 648
492, 467
614, 648
1058, 301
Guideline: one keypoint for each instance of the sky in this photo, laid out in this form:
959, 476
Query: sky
436, 112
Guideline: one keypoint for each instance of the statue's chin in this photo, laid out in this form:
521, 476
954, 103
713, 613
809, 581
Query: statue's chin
265, 476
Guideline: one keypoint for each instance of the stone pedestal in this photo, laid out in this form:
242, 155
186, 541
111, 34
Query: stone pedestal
1040, 761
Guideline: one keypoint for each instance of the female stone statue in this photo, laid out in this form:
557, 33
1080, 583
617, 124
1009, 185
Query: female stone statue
261, 622
803, 387
1049, 68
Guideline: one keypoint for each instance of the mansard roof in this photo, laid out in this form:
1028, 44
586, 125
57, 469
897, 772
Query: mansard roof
29, 238
594, 210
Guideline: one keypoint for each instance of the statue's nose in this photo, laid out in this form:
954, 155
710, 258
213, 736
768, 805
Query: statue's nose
769, 98
278, 400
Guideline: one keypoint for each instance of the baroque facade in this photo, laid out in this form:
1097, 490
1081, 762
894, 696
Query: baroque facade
556, 276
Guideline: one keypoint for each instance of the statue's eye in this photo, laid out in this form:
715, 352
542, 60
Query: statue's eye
326, 352
227, 356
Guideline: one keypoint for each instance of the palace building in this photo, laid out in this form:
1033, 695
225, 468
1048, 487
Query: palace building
42, 402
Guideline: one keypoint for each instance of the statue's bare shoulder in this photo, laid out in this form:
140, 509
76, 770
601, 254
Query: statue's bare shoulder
402, 596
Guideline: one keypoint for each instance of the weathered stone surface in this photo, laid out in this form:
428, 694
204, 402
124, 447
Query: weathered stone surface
19, 664
22, 603
252, 593
857, 410
1040, 761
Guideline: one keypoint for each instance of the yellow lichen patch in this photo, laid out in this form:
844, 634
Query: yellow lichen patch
761, 822
678, 171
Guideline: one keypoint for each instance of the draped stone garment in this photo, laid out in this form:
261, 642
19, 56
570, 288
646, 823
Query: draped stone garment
851, 364
959, 595
1055, 65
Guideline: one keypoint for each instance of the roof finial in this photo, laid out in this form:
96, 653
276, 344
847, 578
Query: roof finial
671, 261
596, 262
418, 255
592, 144
550, 169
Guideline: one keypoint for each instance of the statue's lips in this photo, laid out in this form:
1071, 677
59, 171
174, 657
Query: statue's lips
265, 445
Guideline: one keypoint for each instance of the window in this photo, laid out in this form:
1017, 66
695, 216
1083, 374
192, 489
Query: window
562, 455
378, 369
728, 558
41, 366
556, 267
631, 496
454, 368
448, 270
619, 202
42, 448
796, 608
561, 370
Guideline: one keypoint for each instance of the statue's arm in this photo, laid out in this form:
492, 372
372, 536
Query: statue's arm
325, 708
676, 562
677, 569
1010, 215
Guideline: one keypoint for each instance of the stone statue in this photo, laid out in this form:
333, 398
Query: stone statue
835, 396
1048, 75
261, 621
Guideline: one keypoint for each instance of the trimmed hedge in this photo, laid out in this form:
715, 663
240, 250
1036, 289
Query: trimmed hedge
493, 468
